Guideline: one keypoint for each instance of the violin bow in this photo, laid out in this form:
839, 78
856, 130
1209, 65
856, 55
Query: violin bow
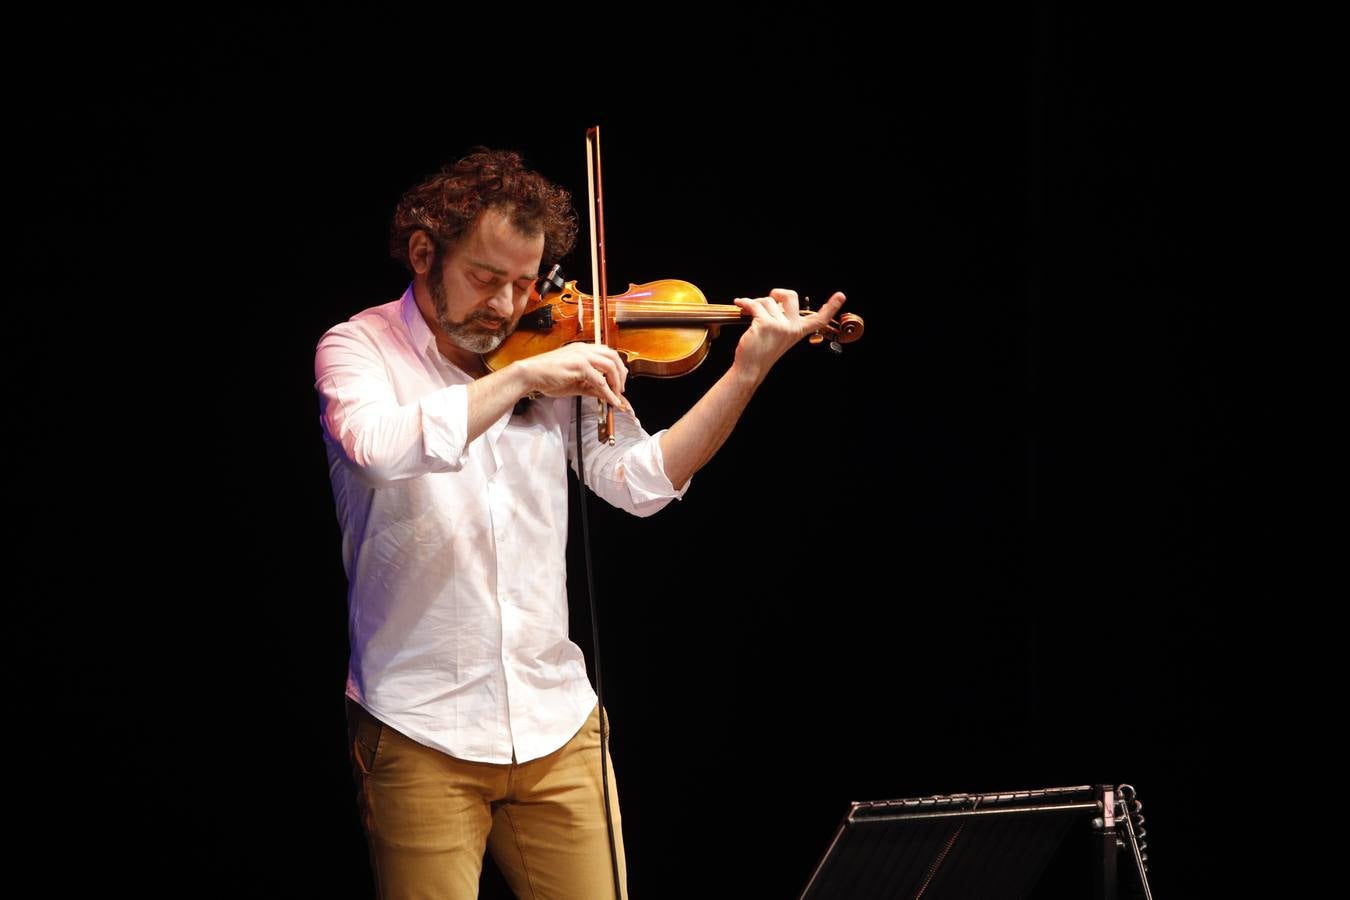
602, 326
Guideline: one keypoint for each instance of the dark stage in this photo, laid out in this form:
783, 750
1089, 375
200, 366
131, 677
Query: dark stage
991, 546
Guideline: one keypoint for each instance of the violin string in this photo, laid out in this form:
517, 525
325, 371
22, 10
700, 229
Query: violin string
638, 310
641, 305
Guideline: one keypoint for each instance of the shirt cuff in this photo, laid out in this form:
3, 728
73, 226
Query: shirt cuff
445, 425
647, 479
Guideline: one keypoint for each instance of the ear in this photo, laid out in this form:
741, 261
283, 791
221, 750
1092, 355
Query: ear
421, 252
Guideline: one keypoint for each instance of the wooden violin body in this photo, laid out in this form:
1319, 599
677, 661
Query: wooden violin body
649, 348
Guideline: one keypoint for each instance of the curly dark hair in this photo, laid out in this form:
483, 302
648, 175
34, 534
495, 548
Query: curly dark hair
446, 205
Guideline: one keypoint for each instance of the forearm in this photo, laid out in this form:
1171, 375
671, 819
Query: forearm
493, 395
388, 442
688, 445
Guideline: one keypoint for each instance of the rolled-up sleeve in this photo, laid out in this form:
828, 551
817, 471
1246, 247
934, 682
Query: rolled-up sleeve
630, 475
382, 439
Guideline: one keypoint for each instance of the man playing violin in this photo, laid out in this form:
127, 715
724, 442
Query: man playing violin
472, 723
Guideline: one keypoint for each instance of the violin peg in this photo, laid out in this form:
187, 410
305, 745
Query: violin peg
836, 347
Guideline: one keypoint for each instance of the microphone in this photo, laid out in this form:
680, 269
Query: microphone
552, 280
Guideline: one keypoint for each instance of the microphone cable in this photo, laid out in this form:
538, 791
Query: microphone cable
595, 649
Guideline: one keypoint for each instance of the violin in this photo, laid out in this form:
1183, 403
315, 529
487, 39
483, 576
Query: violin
661, 328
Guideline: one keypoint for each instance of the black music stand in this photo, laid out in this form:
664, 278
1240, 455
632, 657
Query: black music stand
987, 846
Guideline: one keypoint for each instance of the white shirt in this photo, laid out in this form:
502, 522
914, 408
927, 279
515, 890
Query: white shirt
455, 553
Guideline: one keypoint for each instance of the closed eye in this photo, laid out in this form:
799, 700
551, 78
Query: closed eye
487, 279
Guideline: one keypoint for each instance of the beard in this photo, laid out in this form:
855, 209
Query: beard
466, 334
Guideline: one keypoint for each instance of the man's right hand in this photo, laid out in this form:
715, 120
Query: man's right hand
579, 369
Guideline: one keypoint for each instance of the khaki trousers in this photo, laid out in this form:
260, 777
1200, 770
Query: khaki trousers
429, 816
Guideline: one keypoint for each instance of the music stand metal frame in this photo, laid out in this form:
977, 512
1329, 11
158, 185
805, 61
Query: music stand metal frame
988, 845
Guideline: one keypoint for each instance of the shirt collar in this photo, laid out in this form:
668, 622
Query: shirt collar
421, 334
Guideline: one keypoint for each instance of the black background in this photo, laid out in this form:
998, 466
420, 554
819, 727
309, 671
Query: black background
991, 546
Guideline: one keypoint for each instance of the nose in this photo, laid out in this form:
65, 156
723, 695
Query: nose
500, 302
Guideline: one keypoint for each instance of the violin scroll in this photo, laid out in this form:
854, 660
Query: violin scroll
844, 330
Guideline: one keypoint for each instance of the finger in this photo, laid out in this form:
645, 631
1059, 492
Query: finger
760, 307
620, 368
786, 299
601, 388
610, 374
770, 306
750, 307
619, 358
596, 374
827, 312
609, 364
